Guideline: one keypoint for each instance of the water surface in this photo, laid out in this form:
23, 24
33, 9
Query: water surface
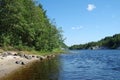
76, 65
90, 65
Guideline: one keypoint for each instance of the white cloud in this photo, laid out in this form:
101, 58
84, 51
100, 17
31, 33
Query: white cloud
91, 7
77, 28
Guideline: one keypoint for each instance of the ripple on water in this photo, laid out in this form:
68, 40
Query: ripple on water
91, 65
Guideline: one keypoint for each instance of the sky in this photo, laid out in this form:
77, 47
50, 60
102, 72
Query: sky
83, 21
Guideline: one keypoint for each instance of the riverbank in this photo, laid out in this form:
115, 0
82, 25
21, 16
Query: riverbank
12, 61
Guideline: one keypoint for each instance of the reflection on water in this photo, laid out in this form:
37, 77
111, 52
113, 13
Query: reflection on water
77, 65
46, 70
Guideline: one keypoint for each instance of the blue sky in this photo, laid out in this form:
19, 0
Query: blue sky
84, 20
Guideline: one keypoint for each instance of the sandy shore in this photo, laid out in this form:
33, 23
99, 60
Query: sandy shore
11, 61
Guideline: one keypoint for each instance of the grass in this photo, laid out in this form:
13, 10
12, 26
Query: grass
55, 51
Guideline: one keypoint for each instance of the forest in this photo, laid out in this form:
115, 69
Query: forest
24, 25
110, 42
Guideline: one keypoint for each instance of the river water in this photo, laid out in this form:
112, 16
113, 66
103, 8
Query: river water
76, 65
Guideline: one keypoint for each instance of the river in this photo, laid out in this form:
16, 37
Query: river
76, 65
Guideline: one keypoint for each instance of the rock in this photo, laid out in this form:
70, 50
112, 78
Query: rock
21, 55
5, 54
53, 55
28, 57
15, 54
118, 48
17, 62
48, 57
37, 56
9, 53
41, 58
33, 56
22, 63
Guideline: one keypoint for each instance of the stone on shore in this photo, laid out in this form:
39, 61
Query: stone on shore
10, 61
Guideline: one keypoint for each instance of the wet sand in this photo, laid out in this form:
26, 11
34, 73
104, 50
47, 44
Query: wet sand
10, 62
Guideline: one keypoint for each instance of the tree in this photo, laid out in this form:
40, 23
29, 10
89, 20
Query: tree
23, 23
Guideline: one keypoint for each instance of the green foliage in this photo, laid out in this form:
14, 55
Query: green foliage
24, 25
112, 42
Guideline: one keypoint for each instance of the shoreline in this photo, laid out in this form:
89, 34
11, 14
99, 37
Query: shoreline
13, 61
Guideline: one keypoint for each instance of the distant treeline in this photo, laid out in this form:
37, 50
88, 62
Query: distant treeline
111, 42
25, 25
